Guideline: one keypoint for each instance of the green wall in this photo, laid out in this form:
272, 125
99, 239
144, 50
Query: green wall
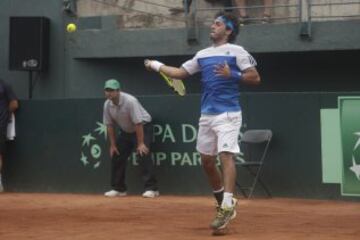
299, 77
49, 145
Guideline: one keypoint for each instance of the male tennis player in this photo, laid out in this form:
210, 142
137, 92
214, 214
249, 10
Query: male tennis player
222, 65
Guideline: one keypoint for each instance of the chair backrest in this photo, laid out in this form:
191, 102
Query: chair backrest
257, 136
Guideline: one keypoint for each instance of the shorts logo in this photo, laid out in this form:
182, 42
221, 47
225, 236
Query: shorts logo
225, 145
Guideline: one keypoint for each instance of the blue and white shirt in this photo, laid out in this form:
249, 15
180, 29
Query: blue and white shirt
219, 94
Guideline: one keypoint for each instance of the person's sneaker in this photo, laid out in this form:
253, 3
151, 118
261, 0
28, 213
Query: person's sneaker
265, 19
114, 193
223, 216
244, 20
176, 10
150, 194
234, 200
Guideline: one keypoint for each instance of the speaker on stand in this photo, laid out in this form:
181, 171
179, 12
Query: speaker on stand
29, 45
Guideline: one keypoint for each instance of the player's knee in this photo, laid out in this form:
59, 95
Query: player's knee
208, 163
225, 156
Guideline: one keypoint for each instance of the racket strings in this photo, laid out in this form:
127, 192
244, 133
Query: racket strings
179, 87
176, 84
168, 80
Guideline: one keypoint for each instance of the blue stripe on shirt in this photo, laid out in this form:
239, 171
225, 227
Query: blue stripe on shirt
219, 94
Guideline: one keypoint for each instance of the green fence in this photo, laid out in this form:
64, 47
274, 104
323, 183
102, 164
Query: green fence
61, 145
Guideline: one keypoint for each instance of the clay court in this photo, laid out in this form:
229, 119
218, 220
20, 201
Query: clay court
80, 217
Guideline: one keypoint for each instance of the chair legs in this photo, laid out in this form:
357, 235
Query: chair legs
243, 192
257, 179
266, 189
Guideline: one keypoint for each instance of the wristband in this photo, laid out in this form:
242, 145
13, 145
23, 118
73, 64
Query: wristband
155, 65
235, 74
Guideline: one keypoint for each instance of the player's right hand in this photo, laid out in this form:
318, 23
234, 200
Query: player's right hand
147, 63
153, 65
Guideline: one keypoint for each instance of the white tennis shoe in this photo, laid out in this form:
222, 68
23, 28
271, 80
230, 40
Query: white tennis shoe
150, 194
114, 193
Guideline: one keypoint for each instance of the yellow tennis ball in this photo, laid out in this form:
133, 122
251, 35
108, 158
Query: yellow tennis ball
71, 27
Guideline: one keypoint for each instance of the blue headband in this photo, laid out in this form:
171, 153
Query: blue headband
228, 23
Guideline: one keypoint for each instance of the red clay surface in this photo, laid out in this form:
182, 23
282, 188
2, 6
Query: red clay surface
80, 217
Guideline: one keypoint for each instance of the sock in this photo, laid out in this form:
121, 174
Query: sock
219, 195
227, 201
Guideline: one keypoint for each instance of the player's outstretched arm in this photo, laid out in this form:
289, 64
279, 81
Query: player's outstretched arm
174, 72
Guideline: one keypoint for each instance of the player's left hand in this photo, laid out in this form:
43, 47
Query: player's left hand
142, 149
222, 70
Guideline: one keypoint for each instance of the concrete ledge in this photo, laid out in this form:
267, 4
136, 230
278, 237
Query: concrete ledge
112, 43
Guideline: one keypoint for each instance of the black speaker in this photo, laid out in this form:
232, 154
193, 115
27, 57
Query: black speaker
29, 43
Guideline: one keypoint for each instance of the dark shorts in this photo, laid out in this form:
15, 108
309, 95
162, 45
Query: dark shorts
2, 142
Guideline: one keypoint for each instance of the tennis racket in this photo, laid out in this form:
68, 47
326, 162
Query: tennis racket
176, 84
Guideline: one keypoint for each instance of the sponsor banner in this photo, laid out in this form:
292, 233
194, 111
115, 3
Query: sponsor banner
349, 108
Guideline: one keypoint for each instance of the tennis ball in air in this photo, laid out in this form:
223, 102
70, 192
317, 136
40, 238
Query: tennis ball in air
71, 27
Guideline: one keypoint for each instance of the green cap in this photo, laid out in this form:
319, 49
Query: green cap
112, 84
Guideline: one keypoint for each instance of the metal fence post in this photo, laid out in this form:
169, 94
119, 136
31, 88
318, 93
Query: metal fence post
305, 19
191, 23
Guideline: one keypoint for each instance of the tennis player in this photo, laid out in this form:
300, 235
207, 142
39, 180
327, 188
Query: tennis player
223, 66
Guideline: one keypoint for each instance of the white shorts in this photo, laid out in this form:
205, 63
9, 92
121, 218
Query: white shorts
219, 133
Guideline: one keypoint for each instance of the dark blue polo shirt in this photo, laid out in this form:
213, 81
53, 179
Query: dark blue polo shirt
6, 95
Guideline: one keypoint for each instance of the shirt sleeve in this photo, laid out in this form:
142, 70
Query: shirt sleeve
135, 112
107, 120
192, 66
244, 60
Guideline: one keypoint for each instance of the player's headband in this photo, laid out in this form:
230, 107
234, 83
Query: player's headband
228, 23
